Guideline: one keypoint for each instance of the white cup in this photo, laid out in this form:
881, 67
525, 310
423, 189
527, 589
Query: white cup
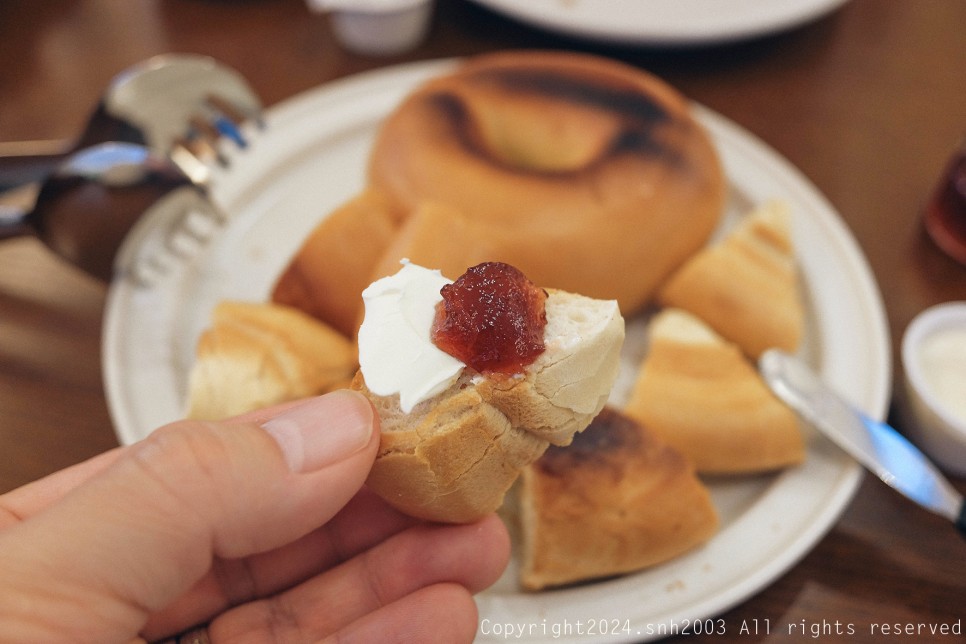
377, 27
937, 403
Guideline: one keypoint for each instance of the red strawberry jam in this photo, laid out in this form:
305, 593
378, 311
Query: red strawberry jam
492, 318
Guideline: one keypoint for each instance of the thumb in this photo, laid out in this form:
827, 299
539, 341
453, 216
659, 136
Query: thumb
133, 538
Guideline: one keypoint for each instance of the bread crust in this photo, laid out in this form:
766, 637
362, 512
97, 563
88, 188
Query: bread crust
454, 456
452, 460
510, 155
642, 184
704, 398
746, 287
257, 354
326, 276
568, 384
617, 500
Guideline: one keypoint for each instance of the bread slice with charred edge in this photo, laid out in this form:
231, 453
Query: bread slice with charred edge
618, 499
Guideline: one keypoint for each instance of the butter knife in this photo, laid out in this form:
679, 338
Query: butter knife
877, 446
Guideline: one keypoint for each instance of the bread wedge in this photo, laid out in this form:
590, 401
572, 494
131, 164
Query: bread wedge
746, 287
453, 457
334, 263
702, 396
618, 499
254, 355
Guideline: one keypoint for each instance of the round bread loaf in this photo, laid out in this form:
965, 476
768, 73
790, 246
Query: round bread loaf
589, 175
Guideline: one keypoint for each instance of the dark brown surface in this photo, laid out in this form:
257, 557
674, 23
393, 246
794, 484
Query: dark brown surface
868, 103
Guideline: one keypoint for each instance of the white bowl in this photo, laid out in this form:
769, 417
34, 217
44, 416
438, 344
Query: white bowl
934, 361
378, 27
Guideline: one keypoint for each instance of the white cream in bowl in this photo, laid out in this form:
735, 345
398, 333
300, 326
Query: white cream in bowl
934, 361
378, 27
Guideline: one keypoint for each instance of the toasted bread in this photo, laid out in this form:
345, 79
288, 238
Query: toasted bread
255, 355
616, 500
699, 393
746, 287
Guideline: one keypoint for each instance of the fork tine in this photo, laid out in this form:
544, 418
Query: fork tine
202, 139
228, 118
189, 155
237, 113
193, 218
220, 119
228, 128
200, 126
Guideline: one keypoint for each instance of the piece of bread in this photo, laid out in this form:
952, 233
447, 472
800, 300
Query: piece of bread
702, 396
524, 151
747, 286
454, 456
599, 161
440, 236
615, 501
326, 276
254, 355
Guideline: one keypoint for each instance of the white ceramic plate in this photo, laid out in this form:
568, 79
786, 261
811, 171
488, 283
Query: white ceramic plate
664, 22
311, 158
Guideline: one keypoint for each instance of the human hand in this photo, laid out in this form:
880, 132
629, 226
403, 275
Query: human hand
258, 526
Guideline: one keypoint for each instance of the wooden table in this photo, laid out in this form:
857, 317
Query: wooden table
868, 102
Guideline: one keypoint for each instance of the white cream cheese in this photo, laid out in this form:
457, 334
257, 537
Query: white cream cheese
396, 352
943, 361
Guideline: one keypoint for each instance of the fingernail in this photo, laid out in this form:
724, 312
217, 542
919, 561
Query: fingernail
322, 430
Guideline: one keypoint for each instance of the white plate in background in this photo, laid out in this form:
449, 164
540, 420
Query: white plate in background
664, 22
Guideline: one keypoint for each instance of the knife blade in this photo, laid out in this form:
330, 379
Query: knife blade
874, 444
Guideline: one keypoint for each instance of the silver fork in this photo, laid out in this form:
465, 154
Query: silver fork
153, 103
85, 209
201, 147
190, 108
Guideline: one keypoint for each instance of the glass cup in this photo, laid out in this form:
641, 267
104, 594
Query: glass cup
945, 214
